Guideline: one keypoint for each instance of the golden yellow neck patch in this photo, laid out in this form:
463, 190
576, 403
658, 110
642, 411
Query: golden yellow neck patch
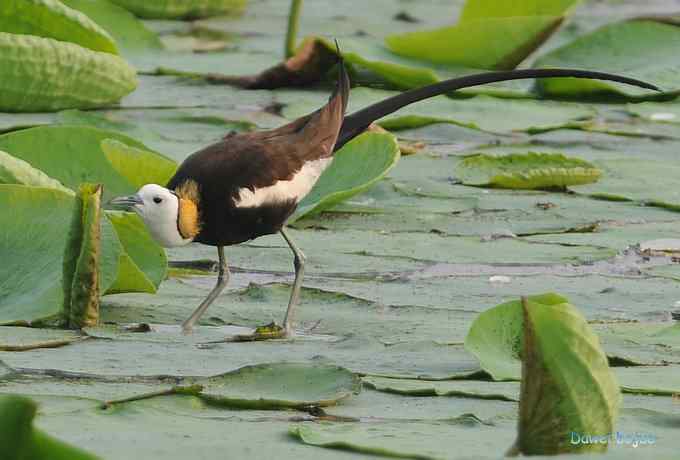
188, 217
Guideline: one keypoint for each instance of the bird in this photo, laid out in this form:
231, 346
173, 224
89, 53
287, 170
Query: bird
248, 184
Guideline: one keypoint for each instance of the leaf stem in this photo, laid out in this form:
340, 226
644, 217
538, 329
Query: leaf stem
177, 390
291, 33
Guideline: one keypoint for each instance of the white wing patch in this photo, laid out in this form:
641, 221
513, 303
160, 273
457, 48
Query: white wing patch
284, 190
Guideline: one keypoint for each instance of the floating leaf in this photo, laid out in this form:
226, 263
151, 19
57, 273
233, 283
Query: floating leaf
53, 19
182, 9
569, 394
30, 338
21, 441
81, 260
420, 440
143, 262
503, 391
33, 243
131, 35
646, 50
59, 75
495, 337
358, 165
138, 166
16, 171
34, 239
73, 155
526, 171
488, 35
280, 385
650, 380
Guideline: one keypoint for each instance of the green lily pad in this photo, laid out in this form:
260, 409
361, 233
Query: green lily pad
560, 353
53, 19
639, 48
503, 391
23, 442
356, 167
527, 171
72, 155
182, 9
16, 171
421, 440
131, 35
280, 385
31, 278
82, 260
138, 166
653, 380
495, 337
143, 262
487, 36
27, 338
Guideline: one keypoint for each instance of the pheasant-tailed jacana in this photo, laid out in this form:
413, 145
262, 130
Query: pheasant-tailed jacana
248, 184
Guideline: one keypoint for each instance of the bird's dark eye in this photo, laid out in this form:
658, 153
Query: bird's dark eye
157, 199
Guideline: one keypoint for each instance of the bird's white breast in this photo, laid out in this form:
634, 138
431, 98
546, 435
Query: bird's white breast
294, 189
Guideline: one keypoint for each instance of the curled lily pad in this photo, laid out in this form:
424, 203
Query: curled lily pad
21, 441
53, 19
528, 171
488, 35
420, 440
131, 35
495, 337
137, 165
33, 242
16, 171
81, 260
640, 49
355, 168
73, 155
182, 9
504, 391
568, 390
280, 385
35, 237
143, 261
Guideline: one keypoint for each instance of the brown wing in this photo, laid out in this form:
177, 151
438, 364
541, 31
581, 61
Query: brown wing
260, 159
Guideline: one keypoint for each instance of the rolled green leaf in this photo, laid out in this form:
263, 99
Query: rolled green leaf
137, 165
528, 171
130, 34
81, 261
43, 74
569, 397
182, 9
20, 441
53, 19
16, 171
642, 49
489, 35
355, 168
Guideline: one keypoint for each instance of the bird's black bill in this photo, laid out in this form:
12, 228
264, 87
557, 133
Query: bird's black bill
126, 201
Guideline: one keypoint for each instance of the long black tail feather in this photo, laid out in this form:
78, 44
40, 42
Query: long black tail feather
357, 122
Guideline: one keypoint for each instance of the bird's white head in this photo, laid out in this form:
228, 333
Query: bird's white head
161, 210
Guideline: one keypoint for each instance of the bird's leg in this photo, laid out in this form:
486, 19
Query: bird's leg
222, 280
299, 264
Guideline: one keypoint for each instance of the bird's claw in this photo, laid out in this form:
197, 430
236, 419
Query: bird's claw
270, 331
